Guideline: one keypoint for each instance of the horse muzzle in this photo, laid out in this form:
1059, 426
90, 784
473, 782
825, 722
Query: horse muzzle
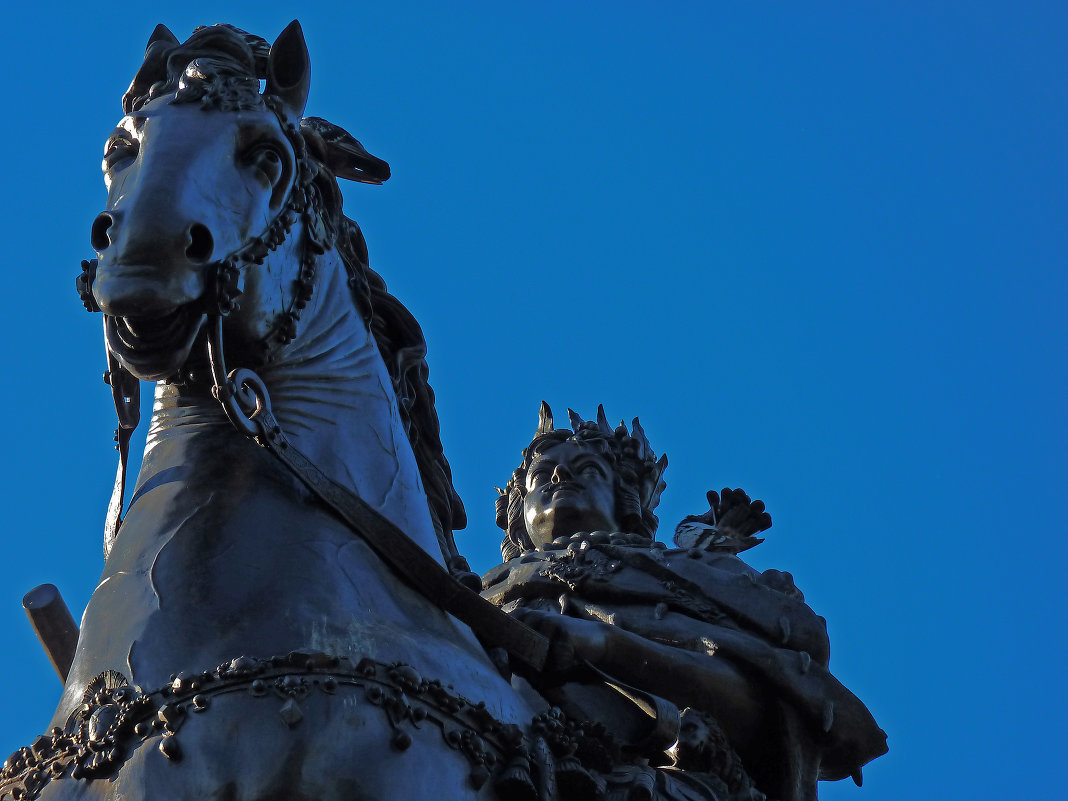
148, 266
150, 283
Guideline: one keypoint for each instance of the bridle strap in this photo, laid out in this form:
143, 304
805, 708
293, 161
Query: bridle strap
126, 392
247, 404
114, 517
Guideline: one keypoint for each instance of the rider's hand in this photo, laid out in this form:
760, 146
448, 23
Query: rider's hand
734, 510
572, 642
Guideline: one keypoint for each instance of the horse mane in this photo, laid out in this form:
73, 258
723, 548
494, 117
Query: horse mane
403, 348
229, 65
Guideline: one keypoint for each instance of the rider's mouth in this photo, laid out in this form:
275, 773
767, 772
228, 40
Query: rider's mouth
569, 488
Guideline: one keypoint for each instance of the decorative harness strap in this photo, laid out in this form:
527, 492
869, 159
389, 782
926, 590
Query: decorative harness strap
126, 392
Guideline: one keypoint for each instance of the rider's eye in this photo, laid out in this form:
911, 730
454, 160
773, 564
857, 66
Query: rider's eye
267, 161
538, 475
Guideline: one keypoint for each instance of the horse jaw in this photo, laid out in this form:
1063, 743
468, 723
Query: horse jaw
154, 348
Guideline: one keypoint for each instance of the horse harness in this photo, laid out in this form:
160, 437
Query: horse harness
246, 402
554, 759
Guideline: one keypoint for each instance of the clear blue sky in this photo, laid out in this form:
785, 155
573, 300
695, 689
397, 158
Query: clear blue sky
818, 248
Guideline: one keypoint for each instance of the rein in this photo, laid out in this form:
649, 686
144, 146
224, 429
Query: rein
247, 405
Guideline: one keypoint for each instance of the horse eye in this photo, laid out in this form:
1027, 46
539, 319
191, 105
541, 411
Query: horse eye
267, 161
119, 150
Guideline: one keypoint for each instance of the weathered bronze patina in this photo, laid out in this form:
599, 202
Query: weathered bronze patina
739, 650
223, 232
283, 612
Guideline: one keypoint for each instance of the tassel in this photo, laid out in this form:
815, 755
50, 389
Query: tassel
576, 783
515, 784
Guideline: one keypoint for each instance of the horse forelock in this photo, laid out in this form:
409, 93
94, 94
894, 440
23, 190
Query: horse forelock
402, 346
220, 53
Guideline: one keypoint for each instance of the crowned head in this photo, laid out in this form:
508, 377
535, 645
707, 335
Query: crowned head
591, 477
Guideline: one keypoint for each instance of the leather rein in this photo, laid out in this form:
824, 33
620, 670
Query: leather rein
247, 405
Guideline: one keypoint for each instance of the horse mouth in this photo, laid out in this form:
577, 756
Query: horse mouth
154, 347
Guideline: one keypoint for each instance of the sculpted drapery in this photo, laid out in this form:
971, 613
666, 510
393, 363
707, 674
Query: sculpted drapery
738, 650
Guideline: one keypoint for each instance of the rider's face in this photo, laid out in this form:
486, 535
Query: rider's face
570, 488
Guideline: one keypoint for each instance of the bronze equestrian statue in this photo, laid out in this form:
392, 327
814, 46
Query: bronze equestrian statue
283, 612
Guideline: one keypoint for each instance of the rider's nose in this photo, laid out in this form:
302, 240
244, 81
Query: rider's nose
561, 473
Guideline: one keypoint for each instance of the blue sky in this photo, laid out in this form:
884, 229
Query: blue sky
819, 250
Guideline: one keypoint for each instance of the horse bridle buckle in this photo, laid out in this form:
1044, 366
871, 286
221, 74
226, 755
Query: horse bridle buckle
241, 392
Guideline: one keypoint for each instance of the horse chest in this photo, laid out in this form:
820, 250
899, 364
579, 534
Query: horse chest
359, 741
253, 572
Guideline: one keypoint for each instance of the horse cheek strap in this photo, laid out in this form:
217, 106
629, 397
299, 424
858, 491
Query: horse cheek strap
126, 392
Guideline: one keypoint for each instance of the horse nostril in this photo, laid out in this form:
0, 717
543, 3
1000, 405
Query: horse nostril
98, 236
201, 243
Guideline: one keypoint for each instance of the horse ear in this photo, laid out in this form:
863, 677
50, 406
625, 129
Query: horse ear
289, 70
161, 34
153, 68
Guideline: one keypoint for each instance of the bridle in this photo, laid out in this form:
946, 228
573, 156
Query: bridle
246, 402
219, 301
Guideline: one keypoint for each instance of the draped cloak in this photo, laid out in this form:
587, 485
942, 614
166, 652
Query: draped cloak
713, 604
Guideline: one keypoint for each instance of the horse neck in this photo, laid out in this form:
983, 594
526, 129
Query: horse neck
333, 397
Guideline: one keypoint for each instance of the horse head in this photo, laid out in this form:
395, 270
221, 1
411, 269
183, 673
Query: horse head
223, 208
207, 177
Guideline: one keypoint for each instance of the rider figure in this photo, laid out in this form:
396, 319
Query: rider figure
738, 649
